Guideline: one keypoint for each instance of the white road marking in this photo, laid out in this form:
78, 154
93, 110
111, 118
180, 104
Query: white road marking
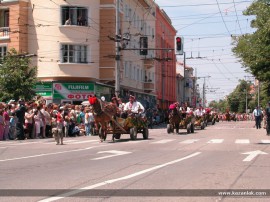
71, 193
2, 147
163, 141
216, 141
66, 141
190, 141
265, 141
86, 141
253, 154
242, 141
113, 154
48, 154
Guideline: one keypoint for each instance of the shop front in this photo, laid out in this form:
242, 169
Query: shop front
72, 93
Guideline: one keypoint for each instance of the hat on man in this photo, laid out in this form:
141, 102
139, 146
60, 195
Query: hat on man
131, 97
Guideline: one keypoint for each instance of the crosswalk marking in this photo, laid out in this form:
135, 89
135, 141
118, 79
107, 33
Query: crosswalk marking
163, 141
190, 141
216, 141
81, 142
265, 141
242, 141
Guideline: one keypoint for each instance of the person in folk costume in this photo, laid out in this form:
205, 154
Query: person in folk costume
133, 105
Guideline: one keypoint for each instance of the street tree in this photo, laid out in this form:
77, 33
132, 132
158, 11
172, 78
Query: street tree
253, 49
17, 78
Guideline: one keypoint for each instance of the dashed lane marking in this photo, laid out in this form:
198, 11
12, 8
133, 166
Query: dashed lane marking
163, 141
215, 141
242, 141
190, 141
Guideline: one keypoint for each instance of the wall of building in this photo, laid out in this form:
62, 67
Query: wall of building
47, 33
18, 16
165, 70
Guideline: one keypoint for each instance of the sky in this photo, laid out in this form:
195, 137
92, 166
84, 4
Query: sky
207, 27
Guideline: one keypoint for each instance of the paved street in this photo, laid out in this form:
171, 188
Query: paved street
229, 156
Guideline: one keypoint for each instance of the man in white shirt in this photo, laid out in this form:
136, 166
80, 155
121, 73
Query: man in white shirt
257, 113
199, 111
133, 106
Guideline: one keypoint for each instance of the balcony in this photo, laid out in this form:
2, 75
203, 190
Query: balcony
148, 63
4, 33
149, 86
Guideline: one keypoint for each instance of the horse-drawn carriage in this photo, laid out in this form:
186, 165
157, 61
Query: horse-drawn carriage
178, 120
107, 122
200, 122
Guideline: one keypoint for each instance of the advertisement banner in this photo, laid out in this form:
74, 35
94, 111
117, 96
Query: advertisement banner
73, 91
44, 90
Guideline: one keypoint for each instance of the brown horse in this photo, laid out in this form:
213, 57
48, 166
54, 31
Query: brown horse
175, 118
102, 115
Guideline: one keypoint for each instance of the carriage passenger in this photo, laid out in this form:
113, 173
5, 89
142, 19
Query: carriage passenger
199, 111
133, 106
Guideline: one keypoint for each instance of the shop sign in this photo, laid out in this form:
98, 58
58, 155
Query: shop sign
44, 89
73, 91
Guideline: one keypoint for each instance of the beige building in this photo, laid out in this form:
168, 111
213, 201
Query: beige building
75, 44
65, 36
137, 72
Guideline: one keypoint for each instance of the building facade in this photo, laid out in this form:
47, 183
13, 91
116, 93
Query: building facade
165, 65
77, 50
13, 28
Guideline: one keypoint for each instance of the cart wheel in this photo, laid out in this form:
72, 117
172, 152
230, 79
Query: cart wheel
188, 128
168, 128
202, 126
192, 128
117, 136
133, 133
145, 133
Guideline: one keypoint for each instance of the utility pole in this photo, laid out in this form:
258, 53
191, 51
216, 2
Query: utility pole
117, 50
246, 102
162, 70
184, 91
258, 93
204, 77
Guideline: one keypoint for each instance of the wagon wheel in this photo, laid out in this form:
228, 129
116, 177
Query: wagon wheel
202, 125
188, 128
168, 128
133, 133
145, 133
117, 136
192, 128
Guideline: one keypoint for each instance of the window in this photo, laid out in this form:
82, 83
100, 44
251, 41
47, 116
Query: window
3, 51
74, 16
74, 53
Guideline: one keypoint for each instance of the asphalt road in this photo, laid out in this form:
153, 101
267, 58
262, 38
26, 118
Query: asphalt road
229, 158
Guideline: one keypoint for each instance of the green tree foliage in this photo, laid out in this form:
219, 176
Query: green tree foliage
238, 98
254, 49
17, 78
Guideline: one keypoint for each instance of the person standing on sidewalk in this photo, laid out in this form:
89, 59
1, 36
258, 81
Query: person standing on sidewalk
257, 113
20, 113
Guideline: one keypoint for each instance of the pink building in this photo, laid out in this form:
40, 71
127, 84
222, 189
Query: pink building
166, 60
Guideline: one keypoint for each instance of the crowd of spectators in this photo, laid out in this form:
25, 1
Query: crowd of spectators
30, 120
